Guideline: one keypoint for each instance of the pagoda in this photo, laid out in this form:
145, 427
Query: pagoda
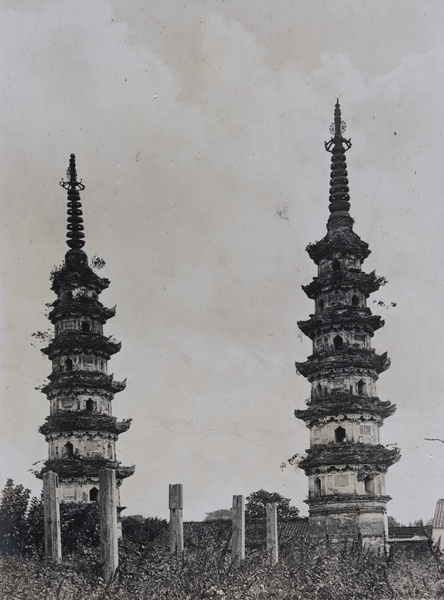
346, 463
81, 431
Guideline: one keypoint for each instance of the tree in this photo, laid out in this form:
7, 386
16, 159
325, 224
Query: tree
255, 505
13, 525
35, 535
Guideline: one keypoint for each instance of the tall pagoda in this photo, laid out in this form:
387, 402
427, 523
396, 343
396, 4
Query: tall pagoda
81, 431
346, 463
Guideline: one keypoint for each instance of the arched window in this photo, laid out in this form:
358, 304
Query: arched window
110, 451
89, 405
85, 326
360, 386
369, 484
319, 390
69, 450
68, 364
94, 495
338, 342
68, 295
340, 436
317, 487
321, 304
336, 265
355, 300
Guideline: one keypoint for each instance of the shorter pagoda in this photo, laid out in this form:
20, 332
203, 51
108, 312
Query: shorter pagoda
346, 463
81, 431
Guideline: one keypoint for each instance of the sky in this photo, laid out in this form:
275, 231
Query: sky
199, 128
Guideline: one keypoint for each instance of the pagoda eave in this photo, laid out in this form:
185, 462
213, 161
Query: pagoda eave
81, 307
366, 282
335, 501
351, 359
74, 342
83, 380
345, 244
85, 467
340, 318
69, 278
350, 406
76, 421
349, 455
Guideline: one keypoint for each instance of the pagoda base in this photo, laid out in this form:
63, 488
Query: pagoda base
358, 519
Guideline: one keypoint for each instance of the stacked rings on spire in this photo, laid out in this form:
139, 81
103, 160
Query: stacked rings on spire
75, 227
339, 191
338, 146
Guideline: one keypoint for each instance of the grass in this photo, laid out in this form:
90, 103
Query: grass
206, 571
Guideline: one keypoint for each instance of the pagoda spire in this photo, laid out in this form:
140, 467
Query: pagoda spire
75, 235
339, 192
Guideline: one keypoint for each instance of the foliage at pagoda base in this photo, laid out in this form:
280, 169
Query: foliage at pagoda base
305, 573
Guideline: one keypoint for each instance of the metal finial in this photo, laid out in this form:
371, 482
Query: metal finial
75, 227
339, 192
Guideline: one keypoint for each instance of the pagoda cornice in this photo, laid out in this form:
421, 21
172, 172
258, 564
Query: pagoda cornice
345, 358
80, 307
76, 342
334, 502
344, 280
340, 318
85, 467
82, 380
344, 406
355, 456
71, 277
78, 421
342, 243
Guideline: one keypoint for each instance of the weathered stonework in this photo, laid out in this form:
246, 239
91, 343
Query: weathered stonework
81, 431
346, 463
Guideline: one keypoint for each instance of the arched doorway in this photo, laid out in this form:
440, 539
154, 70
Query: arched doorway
340, 435
369, 484
69, 450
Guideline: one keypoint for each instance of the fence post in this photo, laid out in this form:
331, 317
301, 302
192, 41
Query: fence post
51, 514
176, 518
272, 532
238, 543
108, 523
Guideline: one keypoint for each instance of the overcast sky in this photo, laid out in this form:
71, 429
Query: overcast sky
194, 124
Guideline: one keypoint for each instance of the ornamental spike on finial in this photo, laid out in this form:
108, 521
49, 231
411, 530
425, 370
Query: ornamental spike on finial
75, 227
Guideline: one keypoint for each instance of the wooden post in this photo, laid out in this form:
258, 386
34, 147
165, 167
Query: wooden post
272, 532
238, 540
108, 523
51, 514
176, 518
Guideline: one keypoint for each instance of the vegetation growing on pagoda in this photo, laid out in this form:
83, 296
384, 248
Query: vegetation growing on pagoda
352, 278
343, 243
